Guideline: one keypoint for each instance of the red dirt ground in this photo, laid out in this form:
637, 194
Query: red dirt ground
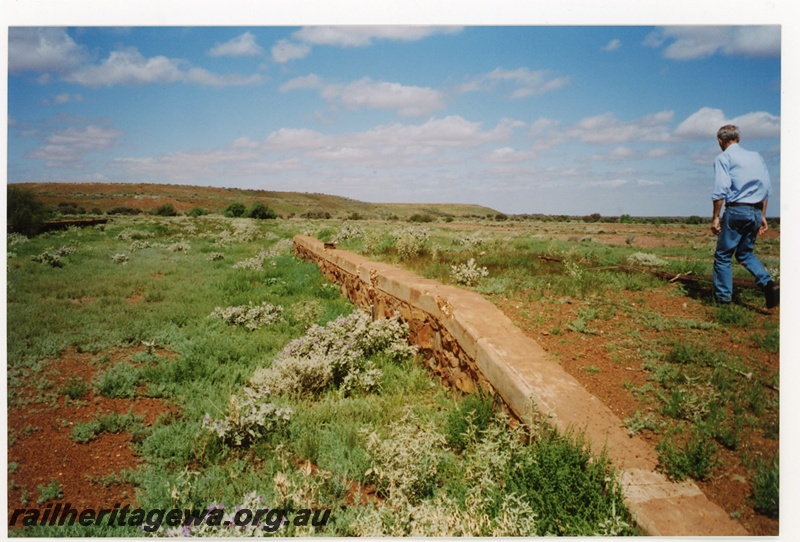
42, 449
608, 366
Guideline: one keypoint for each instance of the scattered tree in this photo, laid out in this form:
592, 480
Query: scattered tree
24, 212
235, 210
166, 210
261, 211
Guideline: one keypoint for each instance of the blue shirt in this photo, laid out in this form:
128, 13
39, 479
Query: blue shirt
740, 176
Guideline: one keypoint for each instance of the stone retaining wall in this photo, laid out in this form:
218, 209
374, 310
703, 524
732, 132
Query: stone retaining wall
470, 343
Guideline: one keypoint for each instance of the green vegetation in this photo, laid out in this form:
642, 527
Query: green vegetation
701, 401
303, 406
25, 211
767, 488
166, 210
49, 492
107, 423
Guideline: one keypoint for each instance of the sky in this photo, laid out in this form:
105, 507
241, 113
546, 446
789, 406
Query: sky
523, 117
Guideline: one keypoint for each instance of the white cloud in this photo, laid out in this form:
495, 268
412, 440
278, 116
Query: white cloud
284, 51
526, 82
704, 123
389, 144
244, 45
304, 82
67, 148
361, 36
508, 155
606, 129
187, 164
647, 182
613, 183
612, 45
758, 125
296, 138
130, 67
621, 153
435, 142
450, 131
690, 42
409, 101
42, 50
350, 36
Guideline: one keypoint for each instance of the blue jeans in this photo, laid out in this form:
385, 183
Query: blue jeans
739, 227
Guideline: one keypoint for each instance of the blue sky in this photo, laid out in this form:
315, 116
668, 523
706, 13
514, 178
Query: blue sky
524, 119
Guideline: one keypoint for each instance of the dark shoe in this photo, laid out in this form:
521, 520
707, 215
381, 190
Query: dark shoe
772, 295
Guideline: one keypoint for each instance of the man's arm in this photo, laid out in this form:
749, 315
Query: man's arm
764, 226
715, 229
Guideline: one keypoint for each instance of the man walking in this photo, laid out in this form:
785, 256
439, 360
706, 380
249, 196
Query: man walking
741, 183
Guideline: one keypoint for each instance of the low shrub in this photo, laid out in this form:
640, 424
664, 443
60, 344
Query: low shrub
196, 211
53, 256
181, 246
249, 316
646, 259
411, 241
472, 416
235, 210
336, 356
261, 212
468, 274
695, 459
75, 388
249, 419
123, 210
766, 489
118, 381
166, 210
107, 423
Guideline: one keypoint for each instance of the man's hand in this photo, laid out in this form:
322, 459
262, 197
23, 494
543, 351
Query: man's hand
764, 226
715, 229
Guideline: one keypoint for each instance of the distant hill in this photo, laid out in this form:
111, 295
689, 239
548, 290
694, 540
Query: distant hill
147, 197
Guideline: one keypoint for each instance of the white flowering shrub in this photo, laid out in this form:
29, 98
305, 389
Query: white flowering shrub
336, 355
181, 246
644, 258
120, 258
468, 274
289, 375
410, 241
215, 256
139, 245
249, 316
244, 231
15, 239
348, 231
249, 419
130, 234
355, 332
472, 240
224, 238
53, 256
405, 466
257, 262
284, 246
306, 313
